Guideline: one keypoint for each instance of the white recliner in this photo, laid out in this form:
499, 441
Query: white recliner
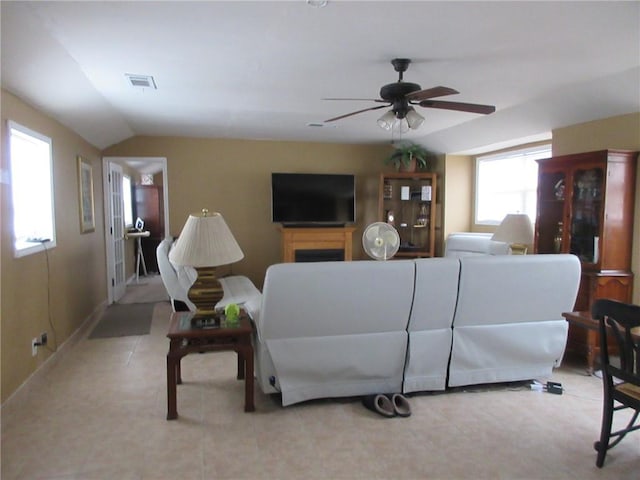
465, 244
333, 329
178, 279
508, 322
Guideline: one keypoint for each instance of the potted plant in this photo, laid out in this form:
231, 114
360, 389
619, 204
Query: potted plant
409, 156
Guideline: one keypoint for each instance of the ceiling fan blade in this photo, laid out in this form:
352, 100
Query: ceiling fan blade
462, 107
430, 93
356, 112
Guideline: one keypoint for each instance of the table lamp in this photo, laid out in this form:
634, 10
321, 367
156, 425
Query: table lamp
516, 230
205, 243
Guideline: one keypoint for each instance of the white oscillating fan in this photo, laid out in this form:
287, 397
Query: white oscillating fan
381, 241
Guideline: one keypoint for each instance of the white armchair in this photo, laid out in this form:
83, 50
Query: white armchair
178, 279
464, 244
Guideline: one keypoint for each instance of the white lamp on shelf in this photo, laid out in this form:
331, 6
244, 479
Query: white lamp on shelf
516, 230
205, 243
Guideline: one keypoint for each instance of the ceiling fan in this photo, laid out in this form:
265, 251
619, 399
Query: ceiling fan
401, 96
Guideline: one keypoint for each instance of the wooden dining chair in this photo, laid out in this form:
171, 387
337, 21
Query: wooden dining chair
620, 322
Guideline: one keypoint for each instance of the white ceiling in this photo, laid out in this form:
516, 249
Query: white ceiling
260, 70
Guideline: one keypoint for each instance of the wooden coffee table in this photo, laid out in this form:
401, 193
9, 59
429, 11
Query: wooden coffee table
187, 335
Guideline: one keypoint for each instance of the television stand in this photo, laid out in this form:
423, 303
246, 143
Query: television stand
316, 239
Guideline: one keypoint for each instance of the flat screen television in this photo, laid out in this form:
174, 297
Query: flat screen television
307, 199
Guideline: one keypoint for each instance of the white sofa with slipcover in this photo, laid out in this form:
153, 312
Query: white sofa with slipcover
336, 329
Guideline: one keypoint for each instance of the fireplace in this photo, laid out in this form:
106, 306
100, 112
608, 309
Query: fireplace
319, 255
316, 244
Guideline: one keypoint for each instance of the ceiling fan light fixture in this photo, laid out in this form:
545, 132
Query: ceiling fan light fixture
400, 125
317, 3
414, 119
386, 121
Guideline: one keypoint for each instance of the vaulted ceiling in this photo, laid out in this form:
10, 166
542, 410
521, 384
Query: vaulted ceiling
261, 70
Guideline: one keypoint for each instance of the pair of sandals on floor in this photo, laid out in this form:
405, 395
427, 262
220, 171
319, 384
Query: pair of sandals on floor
389, 405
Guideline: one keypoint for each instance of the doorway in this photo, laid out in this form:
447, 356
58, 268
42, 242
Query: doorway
139, 169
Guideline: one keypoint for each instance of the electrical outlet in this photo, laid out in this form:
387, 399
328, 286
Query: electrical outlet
43, 338
34, 347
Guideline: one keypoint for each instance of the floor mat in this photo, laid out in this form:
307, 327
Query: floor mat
124, 320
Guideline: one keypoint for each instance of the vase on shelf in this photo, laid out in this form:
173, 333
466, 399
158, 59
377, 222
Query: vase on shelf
557, 239
388, 190
421, 220
558, 190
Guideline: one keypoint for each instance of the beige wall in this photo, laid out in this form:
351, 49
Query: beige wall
457, 186
72, 275
233, 177
621, 132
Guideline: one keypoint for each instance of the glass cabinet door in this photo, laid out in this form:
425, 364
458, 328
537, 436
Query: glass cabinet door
551, 204
586, 214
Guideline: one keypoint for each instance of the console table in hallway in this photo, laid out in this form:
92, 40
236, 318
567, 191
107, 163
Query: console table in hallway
138, 236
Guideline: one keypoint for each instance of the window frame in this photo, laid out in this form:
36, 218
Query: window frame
542, 149
19, 252
130, 196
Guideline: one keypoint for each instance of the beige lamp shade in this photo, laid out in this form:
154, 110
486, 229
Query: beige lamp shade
205, 241
515, 229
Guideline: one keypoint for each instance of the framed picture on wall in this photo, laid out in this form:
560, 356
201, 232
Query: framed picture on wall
85, 188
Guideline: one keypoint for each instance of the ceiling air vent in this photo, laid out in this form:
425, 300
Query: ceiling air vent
141, 81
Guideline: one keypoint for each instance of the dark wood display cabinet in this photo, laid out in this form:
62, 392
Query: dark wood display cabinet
408, 202
585, 207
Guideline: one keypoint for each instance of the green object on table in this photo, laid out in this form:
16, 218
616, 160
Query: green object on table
232, 313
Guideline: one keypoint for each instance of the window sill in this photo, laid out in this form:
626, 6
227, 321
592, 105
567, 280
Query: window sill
23, 249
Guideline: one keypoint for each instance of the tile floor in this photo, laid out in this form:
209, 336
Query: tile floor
99, 413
